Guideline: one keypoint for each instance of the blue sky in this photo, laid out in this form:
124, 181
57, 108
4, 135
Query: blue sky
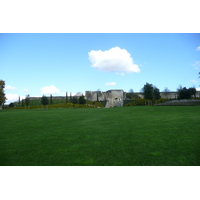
38, 64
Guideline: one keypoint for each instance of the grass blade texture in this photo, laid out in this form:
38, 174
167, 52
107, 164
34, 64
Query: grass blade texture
126, 136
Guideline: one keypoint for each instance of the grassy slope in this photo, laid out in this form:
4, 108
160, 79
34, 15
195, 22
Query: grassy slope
115, 136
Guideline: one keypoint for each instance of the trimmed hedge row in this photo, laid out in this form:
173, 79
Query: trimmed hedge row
143, 102
63, 105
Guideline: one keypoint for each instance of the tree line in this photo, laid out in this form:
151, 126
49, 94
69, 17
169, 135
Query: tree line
152, 92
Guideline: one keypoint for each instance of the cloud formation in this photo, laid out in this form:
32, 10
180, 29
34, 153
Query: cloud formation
49, 90
193, 81
8, 87
11, 98
111, 83
198, 89
198, 48
113, 60
197, 65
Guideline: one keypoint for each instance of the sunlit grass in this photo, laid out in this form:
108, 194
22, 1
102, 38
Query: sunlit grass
126, 136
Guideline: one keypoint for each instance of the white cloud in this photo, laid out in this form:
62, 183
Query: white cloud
113, 60
193, 81
111, 83
198, 48
8, 87
198, 89
49, 90
11, 98
25, 90
197, 65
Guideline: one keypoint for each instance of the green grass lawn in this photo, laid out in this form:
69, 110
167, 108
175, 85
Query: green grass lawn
127, 136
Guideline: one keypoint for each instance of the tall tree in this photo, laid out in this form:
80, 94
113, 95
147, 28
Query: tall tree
156, 93
27, 100
148, 91
98, 94
2, 94
19, 100
66, 98
82, 100
184, 93
193, 91
70, 98
44, 101
74, 100
51, 99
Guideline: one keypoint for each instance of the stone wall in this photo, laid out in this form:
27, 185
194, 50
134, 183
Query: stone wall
114, 98
166, 95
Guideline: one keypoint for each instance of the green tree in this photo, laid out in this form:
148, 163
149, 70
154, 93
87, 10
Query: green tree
51, 101
193, 91
66, 98
2, 94
148, 91
27, 100
184, 93
11, 105
156, 93
82, 100
74, 100
44, 101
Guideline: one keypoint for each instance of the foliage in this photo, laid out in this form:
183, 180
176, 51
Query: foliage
11, 105
148, 91
66, 98
2, 94
184, 93
193, 91
151, 92
156, 93
74, 100
143, 102
131, 95
82, 100
51, 99
27, 100
44, 100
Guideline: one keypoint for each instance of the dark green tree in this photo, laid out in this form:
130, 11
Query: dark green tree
19, 100
74, 100
193, 92
184, 93
66, 98
51, 99
11, 105
82, 100
148, 91
2, 94
44, 100
27, 100
156, 93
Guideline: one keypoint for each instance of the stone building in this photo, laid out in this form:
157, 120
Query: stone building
113, 98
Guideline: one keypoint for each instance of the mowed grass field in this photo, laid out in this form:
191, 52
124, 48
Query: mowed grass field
127, 136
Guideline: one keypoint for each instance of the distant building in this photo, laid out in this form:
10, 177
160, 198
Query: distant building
113, 98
